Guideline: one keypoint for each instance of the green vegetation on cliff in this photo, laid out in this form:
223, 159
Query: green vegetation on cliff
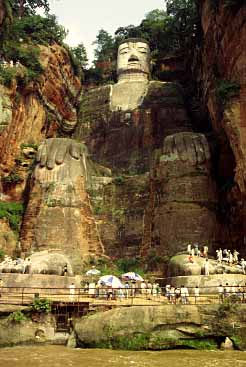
13, 213
20, 38
41, 305
16, 317
226, 89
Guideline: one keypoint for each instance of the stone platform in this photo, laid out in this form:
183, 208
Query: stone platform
39, 280
207, 284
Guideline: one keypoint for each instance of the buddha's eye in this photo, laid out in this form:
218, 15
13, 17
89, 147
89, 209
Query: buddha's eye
124, 51
142, 50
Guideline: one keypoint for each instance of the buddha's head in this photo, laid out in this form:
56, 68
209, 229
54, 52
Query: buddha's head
133, 59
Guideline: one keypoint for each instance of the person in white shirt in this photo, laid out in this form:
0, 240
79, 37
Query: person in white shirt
184, 295
71, 291
197, 294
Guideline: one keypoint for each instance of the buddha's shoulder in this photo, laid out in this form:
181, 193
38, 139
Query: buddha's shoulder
163, 93
98, 95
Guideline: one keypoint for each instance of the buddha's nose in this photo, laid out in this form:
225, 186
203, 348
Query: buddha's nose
133, 58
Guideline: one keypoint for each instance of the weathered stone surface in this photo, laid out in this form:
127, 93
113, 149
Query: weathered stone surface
8, 240
125, 141
6, 107
222, 57
2, 12
180, 265
208, 283
24, 332
184, 196
39, 281
38, 110
160, 327
45, 262
58, 214
227, 344
118, 206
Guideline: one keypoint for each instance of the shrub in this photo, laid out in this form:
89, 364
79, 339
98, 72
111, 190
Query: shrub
119, 180
226, 90
13, 213
228, 307
7, 75
131, 342
41, 305
127, 264
12, 178
16, 317
29, 145
232, 3
2, 254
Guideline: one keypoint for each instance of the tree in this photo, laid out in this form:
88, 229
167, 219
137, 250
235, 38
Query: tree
104, 57
184, 20
81, 55
154, 29
105, 49
28, 7
130, 31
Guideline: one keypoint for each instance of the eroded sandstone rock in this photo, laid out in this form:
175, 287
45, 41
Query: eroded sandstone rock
58, 214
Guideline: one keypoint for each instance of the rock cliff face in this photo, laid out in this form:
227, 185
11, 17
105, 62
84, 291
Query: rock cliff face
127, 140
168, 187
32, 113
58, 215
2, 11
219, 62
39, 109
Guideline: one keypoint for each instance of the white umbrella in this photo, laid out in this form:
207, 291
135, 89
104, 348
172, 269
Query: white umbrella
132, 276
110, 280
93, 272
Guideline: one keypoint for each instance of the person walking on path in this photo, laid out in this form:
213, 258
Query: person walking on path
189, 249
71, 292
197, 294
221, 293
243, 265
205, 251
184, 295
206, 267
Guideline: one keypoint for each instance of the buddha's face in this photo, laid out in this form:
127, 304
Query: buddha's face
133, 56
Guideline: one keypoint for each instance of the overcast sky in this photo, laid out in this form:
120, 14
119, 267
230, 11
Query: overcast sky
84, 18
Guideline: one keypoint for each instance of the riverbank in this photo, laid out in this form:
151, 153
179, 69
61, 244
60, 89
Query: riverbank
164, 327
44, 356
202, 327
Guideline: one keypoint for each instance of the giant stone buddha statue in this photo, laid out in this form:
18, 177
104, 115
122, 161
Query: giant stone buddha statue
122, 126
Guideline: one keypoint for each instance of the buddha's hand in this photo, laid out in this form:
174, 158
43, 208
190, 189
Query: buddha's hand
55, 151
187, 146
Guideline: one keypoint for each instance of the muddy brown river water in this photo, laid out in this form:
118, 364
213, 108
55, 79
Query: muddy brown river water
58, 356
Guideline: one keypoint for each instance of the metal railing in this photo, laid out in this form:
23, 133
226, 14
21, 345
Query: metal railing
121, 296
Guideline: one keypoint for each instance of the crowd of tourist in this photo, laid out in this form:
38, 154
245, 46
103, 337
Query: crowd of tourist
9, 265
224, 256
167, 294
129, 289
10, 63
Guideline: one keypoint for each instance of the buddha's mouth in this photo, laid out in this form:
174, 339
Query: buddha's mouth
133, 63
